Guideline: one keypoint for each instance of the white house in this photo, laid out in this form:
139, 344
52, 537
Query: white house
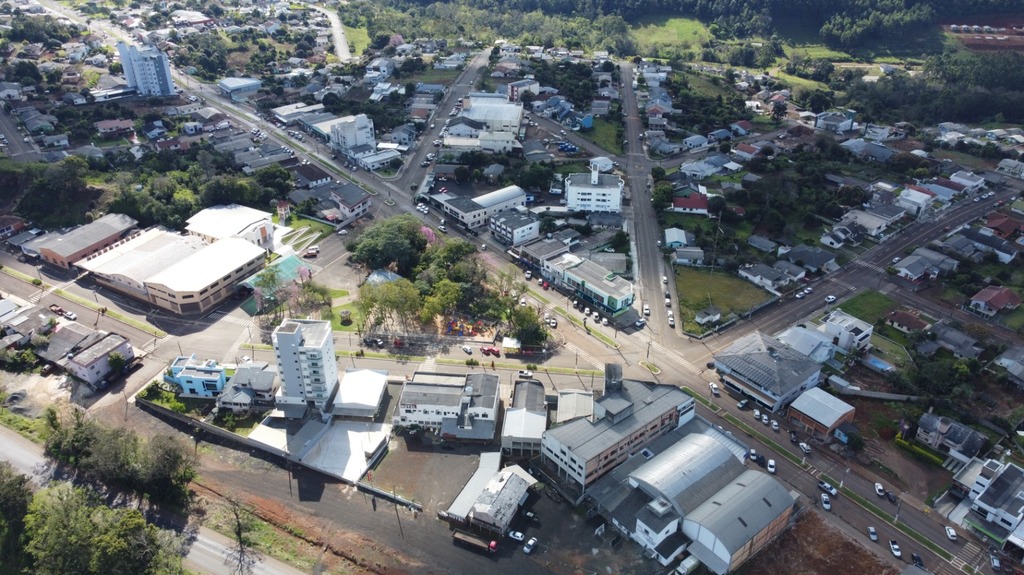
848, 332
92, 364
476, 212
971, 181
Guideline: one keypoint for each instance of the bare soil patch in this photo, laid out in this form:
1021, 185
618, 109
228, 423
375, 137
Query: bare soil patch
813, 547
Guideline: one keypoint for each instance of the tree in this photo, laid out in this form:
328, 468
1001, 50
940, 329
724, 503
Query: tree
117, 362
124, 542
15, 497
394, 242
779, 112
168, 468
241, 557
59, 531
662, 195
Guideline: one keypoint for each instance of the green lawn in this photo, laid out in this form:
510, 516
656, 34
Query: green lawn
730, 294
891, 351
669, 31
336, 317
869, 306
434, 76
358, 39
1015, 319
605, 134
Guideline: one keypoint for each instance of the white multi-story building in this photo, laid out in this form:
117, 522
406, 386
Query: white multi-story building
351, 132
514, 228
476, 212
306, 363
494, 112
146, 69
594, 192
456, 406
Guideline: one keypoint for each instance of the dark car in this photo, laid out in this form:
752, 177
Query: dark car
793, 437
890, 496
917, 560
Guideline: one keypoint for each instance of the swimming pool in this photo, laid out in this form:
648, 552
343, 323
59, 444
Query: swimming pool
877, 364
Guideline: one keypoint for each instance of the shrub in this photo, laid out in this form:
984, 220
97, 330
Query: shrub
37, 282
918, 451
472, 362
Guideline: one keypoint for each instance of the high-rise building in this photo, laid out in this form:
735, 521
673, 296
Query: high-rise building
352, 132
146, 69
307, 366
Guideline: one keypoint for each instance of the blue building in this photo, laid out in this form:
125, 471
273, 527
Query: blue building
196, 378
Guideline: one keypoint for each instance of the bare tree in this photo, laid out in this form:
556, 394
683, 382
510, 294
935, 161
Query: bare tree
241, 557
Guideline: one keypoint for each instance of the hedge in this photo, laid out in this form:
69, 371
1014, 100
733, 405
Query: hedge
918, 451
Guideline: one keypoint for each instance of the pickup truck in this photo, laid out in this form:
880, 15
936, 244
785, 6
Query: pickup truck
63, 312
474, 541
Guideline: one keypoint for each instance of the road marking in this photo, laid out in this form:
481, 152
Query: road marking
674, 355
586, 356
868, 265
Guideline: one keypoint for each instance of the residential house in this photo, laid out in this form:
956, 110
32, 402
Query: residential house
1013, 361
741, 128
972, 182
766, 370
861, 222
153, 130
836, 122
91, 363
1011, 168
866, 150
986, 241
915, 200
54, 141
762, 243
764, 276
952, 437
710, 314
310, 176
1002, 225
961, 345
253, 386
993, 300
694, 142
10, 91
813, 258
196, 377
690, 202
925, 264
676, 238
688, 256
906, 321
849, 333
113, 128
793, 271
745, 151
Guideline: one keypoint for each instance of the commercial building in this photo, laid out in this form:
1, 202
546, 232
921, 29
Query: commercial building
514, 228
766, 370
492, 496
360, 393
819, 413
475, 212
65, 249
626, 419
495, 113
519, 87
351, 132
239, 89
594, 192
525, 420
233, 221
290, 113
455, 406
601, 289
309, 371
146, 69
198, 283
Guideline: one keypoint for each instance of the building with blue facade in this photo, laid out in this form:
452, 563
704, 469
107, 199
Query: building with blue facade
195, 377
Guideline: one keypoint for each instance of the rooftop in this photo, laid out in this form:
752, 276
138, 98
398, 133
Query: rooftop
768, 363
142, 256
225, 221
600, 279
87, 236
821, 406
207, 265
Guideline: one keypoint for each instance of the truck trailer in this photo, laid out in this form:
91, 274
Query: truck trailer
474, 541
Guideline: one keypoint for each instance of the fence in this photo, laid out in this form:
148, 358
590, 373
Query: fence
877, 394
389, 496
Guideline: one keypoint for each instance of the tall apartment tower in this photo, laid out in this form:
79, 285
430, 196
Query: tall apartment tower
307, 366
146, 69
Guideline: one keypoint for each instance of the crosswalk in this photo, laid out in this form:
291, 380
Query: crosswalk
869, 265
223, 316
660, 350
586, 357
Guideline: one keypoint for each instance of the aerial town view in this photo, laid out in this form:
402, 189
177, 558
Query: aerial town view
458, 288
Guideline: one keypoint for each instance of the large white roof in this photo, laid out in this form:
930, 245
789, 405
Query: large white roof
142, 256
207, 265
361, 389
821, 406
225, 221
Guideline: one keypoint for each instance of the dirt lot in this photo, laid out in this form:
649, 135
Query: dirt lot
421, 468
30, 393
813, 547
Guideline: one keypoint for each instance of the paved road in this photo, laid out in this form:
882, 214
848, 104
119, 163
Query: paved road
338, 31
205, 555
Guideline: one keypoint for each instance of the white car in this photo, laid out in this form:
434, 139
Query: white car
800, 295
604, 321
775, 425
879, 490
895, 548
757, 414
647, 309
664, 280
950, 534
771, 466
764, 419
805, 448
640, 322
525, 374
522, 302
826, 503
896, 260
872, 534
516, 535
530, 545
467, 349
830, 299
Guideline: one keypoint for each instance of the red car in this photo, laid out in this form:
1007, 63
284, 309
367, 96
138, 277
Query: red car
490, 351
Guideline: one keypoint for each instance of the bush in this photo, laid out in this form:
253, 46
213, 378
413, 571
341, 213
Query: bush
37, 282
472, 362
919, 452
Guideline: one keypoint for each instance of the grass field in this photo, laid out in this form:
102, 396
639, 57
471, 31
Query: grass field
869, 306
697, 288
433, 76
669, 31
336, 317
605, 134
358, 39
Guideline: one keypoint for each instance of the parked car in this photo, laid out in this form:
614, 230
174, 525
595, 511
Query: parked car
530, 545
647, 309
757, 413
525, 374
830, 299
793, 437
771, 466
714, 389
515, 535
890, 496
640, 322
879, 490
764, 419
553, 322
805, 448
828, 488
993, 560
826, 503
742, 404
950, 534
872, 534
917, 560
467, 349
775, 425
895, 548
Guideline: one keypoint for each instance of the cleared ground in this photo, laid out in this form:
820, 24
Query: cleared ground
697, 288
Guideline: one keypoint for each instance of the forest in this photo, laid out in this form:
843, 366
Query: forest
599, 23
